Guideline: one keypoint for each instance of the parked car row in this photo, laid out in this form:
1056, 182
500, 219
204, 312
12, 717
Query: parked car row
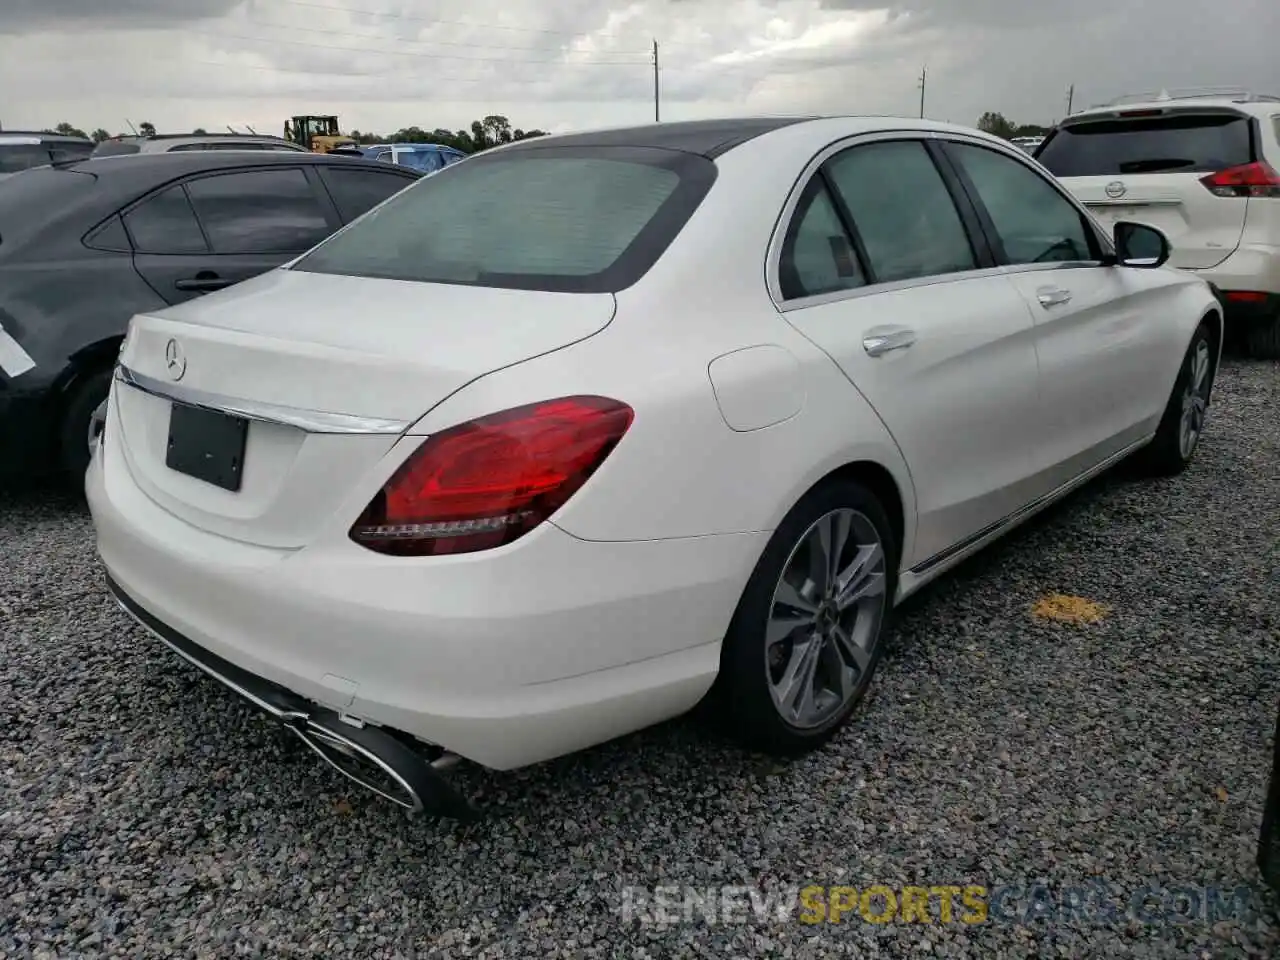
87, 244
466, 479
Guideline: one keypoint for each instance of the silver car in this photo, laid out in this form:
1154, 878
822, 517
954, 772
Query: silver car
170, 142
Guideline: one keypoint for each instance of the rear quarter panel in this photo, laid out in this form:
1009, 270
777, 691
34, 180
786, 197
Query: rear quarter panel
681, 470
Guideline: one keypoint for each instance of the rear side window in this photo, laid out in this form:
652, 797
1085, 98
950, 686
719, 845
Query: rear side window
902, 211
165, 224
356, 192
817, 256
1179, 143
584, 220
259, 211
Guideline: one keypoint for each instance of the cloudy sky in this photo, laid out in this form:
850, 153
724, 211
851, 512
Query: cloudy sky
565, 64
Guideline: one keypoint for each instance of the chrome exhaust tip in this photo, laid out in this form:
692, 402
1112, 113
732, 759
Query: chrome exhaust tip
383, 764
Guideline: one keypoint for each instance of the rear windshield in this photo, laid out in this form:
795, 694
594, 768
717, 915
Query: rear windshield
16, 156
1181, 143
115, 148
574, 220
25, 201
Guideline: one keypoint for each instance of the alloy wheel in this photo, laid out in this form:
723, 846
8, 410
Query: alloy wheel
825, 618
1195, 399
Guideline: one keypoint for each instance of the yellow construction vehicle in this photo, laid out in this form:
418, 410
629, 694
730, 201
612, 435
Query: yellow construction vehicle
317, 134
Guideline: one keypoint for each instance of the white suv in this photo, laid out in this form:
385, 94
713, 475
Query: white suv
1203, 169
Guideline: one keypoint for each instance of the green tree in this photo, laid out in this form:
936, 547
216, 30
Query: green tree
199, 132
147, 129
996, 124
99, 135
67, 130
1030, 130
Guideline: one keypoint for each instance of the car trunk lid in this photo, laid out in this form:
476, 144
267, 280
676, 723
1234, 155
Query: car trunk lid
329, 370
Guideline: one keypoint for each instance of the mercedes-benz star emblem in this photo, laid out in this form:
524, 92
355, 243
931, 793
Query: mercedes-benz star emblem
1116, 189
175, 360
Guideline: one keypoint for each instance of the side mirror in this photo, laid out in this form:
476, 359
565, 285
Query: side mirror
1139, 245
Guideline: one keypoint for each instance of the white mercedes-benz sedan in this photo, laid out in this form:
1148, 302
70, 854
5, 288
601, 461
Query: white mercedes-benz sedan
570, 437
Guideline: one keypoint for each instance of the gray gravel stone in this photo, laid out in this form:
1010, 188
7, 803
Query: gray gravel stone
145, 812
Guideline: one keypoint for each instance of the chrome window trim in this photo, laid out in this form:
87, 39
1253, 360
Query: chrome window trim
778, 238
310, 421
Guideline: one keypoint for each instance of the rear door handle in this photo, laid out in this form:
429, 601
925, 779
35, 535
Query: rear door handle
878, 343
1052, 296
203, 284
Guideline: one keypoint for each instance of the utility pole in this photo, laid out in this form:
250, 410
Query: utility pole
1071, 97
656, 112
924, 77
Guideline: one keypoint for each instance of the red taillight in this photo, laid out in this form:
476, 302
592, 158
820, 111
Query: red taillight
489, 481
1246, 296
1248, 180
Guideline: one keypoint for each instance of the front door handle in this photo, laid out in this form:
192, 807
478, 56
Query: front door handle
1053, 296
877, 344
203, 283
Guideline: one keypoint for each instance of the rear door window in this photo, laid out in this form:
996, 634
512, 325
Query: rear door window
165, 224
259, 211
585, 219
902, 211
1175, 143
356, 192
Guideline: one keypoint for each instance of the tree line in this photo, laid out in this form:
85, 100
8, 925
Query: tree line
998, 125
495, 129
489, 131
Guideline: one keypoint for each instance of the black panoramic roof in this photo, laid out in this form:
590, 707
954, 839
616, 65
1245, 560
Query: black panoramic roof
707, 138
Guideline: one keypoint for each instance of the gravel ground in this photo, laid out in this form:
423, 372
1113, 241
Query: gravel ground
146, 812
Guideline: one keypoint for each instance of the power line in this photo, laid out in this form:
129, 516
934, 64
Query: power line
384, 37
422, 56
456, 23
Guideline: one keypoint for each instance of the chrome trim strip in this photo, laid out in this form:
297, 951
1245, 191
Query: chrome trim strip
257, 701
312, 421
1161, 202
970, 545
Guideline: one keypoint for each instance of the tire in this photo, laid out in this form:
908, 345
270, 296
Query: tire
1178, 437
759, 652
78, 414
1262, 340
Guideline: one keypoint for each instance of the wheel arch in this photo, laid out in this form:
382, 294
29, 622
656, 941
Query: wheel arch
883, 485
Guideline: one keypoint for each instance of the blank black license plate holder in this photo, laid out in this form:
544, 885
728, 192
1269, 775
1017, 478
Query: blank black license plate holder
207, 445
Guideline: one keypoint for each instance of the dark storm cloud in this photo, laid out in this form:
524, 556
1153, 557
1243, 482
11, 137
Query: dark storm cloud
993, 12
21, 16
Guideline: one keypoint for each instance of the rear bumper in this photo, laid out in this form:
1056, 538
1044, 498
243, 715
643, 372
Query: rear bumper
507, 658
1253, 269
